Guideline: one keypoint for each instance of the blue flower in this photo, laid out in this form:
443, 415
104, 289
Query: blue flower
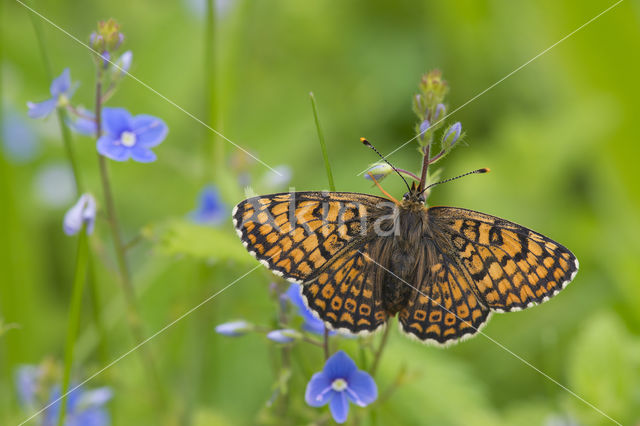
286, 335
234, 328
61, 91
83, 408
311, 323
130, 137
210, 209
81, 213
339, 383
28, 383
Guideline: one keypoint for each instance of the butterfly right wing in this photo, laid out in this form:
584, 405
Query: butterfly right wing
443, 307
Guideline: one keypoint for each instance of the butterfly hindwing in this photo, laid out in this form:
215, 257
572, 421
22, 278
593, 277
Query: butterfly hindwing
344, 293
444, 307
512, 267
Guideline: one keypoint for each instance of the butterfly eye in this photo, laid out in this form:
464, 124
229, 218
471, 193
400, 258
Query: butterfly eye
405, 196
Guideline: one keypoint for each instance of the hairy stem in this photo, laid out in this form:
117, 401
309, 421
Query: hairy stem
133, 315
378, 354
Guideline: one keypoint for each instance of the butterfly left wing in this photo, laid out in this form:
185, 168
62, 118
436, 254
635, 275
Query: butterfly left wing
510, 266
296, 234
320, 240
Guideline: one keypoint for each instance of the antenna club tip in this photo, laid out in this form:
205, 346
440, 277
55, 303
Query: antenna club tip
365, 141
485, 170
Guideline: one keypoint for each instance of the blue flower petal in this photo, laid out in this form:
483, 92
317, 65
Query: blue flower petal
90, 417
83, 126
27, 383
150, 131
339, 366
363, 386
61, 84
233, 328
142, 154
116, 121
210, 209
110, 148
339, 407
311, 322
41, 109
319, 390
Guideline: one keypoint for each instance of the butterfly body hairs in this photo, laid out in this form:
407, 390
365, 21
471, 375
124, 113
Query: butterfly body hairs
361, 259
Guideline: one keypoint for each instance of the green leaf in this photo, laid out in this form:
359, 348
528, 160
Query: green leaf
181, 237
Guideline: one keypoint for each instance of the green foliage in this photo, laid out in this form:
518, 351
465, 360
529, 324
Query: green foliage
560, 136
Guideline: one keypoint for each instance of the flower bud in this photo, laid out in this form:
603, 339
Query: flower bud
440, 111
451, 136
424, 126
234, 328
82, 213
379, 171
286, 335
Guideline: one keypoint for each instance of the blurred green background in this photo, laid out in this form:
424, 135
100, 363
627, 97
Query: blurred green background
560, 137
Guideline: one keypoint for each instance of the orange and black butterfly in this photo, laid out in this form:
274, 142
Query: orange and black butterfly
361, 259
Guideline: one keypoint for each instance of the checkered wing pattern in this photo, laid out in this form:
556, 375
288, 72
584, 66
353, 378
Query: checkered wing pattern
510, 266
443, 307
319, 240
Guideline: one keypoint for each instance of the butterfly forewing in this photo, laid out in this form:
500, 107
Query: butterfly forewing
512, 267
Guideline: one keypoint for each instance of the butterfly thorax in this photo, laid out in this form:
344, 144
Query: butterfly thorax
404, 253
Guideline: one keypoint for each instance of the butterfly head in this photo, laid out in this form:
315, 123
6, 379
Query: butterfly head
415, 195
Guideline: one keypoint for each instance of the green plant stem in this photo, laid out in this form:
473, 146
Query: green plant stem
60, 113
332, 186
96, 309
378, 354
133, 315
215, 149
75, 311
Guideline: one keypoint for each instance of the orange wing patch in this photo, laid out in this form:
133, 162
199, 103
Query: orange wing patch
297, 234
344, 294
444, 308
511, 267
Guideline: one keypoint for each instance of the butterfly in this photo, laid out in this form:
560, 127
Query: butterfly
361, 259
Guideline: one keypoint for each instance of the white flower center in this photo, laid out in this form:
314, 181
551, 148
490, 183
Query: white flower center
339, 385
128, 139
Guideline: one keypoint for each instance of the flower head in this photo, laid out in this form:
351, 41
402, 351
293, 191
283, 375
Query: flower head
210, 209
61, 91
81, 213
311, 323
339, 383
123, 63
234, 328
130, 137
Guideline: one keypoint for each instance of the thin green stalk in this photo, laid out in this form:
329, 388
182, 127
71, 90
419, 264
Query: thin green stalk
74, 317
327, 166
133, 315
97, 312
332, 188
60, 113
378, 354
215, 149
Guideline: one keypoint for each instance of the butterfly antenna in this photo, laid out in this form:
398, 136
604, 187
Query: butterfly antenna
485, 170
367, 143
